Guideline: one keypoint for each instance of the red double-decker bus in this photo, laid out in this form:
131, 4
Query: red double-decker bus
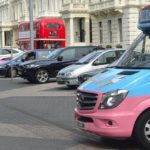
48, 33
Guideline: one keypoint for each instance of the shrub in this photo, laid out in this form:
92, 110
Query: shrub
108, 46
118, 46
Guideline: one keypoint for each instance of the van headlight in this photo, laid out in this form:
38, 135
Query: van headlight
112, 99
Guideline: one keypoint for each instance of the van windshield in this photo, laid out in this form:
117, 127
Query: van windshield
88, 58
138, 56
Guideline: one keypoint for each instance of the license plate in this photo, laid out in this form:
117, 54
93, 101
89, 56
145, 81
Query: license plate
59, 79
80, 124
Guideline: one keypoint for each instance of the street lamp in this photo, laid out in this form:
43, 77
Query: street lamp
31, 24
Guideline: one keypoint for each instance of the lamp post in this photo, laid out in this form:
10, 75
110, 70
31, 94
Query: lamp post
31, 24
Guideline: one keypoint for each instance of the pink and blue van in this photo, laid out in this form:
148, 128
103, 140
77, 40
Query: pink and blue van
116, 102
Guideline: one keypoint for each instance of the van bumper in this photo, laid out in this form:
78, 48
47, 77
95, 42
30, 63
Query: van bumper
106, 123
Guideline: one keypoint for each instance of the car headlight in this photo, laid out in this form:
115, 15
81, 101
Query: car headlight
68, 74
3, 66
31, 66
112, 99
85, 78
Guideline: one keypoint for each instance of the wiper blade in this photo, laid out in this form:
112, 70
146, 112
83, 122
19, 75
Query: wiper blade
129, 67
78, 63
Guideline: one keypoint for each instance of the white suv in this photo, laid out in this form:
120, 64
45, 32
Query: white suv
6, 52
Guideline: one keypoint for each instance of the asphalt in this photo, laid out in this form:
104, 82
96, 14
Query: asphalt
41, 117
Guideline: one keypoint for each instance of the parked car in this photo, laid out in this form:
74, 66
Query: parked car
95, 60
4, 59
41, 71
10, 66
8, 52
87, 75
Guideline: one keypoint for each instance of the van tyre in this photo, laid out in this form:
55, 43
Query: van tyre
42, 76
142, 130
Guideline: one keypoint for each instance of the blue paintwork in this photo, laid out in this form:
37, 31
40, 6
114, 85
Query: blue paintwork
144, 26
138, 84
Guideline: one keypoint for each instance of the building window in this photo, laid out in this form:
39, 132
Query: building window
91, 38
8, 37
110, 31
120, 30
101, 32
81, 28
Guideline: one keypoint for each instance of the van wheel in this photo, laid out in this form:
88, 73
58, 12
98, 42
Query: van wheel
142, 130
42, 76
12, 73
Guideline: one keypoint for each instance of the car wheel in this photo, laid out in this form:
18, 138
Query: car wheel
71, 86
142, 130
42, 76
31, 80
12, 73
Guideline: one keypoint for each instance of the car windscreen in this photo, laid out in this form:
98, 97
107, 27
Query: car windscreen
88, 58
54, 54
18, 56
43, 53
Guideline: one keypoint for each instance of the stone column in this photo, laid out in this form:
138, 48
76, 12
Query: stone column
130, 22
0, 38
71, 31
87, 31
3, 38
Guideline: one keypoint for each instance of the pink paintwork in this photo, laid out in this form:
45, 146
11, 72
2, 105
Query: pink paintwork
2, 62
4, 59
118, 122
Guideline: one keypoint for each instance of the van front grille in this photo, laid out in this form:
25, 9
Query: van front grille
86, 101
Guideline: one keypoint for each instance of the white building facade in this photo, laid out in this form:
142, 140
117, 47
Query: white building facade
114, 22
14, 11
108, 23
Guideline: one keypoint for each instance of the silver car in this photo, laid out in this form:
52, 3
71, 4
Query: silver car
95, 60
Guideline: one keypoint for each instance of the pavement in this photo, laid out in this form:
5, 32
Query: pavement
41, 117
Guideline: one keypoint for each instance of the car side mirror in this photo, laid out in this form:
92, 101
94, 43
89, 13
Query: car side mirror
59, 58
98, 62
22, 60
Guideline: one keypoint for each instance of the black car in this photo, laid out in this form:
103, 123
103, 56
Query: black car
41, 71
10, 67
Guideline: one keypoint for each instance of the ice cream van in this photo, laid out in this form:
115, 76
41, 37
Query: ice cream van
116, 102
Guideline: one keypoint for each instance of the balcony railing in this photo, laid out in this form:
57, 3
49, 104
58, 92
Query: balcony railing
73, 2
100, 5
74, 7
105, 4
